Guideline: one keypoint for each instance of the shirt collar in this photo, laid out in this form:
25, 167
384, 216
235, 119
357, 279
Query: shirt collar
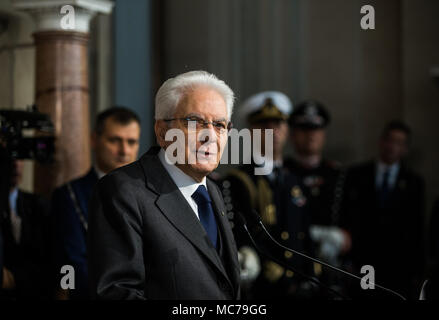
13, 195
98, 172
185, 183
393, 168
381, 169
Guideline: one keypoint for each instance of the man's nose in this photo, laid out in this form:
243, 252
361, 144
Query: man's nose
208, 134
123, 148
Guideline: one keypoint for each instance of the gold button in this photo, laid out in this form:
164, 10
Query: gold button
272, 271
270, 209
296, 192
288, 254
301, 236
284, 235
317, 269
289, 273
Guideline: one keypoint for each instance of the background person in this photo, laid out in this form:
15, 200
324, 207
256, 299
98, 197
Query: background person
26, 243
277, 196
385, 213
115, 142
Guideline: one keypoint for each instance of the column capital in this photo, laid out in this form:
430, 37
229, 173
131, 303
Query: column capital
47, 13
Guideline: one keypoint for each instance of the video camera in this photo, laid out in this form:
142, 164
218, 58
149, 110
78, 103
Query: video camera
27, 135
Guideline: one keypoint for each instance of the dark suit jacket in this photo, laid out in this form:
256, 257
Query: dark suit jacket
69, 234
389, 238
146, 242
29, 260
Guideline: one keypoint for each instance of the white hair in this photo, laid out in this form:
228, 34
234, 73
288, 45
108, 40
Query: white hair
173, 89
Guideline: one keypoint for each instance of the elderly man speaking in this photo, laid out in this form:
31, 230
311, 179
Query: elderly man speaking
158, 228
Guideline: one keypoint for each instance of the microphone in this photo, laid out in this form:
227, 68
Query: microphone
256, 218
243, 222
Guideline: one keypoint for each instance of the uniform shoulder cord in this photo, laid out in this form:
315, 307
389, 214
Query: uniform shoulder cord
77, 206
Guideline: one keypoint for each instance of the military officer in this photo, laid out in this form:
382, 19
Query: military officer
322, 179
277, 197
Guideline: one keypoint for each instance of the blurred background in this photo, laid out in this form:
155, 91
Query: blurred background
306, 49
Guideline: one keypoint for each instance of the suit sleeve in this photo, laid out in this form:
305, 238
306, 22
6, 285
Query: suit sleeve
115, 243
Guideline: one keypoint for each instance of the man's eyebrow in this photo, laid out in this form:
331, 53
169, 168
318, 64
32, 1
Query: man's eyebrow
201, 117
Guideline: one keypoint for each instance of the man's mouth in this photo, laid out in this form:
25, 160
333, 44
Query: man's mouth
206, 153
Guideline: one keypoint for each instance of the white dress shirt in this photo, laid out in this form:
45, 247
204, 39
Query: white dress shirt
15, 218
393, 174
185, 184
99, 173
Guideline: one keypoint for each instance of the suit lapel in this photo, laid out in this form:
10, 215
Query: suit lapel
401, 180
174, 206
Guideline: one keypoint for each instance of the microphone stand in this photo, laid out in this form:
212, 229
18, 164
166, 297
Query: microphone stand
284, 264
257, 218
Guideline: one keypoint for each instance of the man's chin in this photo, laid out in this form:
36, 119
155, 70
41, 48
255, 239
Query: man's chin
204, 168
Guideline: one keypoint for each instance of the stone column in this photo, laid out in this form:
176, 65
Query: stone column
61, 88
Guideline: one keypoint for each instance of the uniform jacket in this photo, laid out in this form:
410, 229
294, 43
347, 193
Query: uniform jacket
282, 206
320, 184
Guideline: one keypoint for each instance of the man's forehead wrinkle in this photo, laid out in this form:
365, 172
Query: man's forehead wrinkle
202, 104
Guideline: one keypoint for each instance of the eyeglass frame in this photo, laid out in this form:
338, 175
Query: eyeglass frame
196, 119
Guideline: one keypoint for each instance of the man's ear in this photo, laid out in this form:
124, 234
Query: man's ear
160, 127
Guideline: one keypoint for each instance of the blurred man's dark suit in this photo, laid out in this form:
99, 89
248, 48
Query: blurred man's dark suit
70, 204
145, 241
29, 258
387, 236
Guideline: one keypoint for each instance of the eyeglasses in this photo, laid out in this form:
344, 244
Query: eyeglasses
220, 126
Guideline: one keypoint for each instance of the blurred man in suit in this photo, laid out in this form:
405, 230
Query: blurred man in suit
384, 212
158, 228
115, 142
26, 272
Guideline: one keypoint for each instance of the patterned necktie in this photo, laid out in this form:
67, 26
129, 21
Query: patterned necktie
205, 213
